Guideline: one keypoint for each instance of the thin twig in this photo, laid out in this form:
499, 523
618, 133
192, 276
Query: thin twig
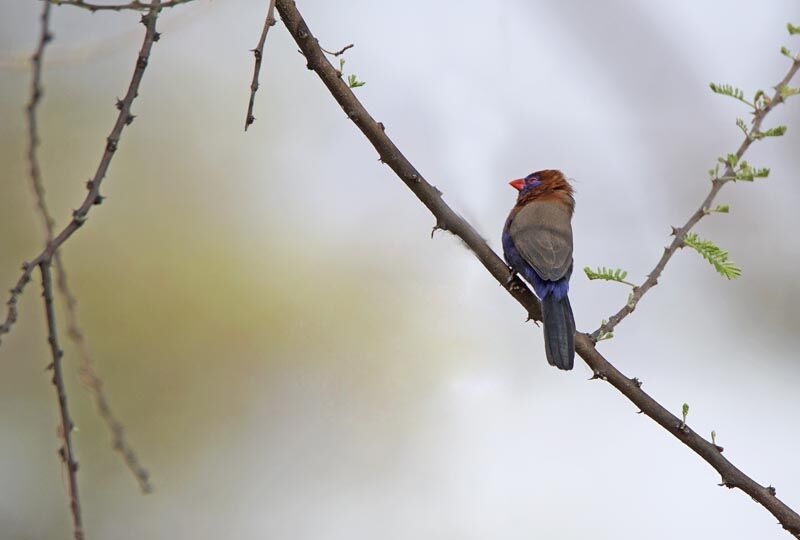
340, 51
33, 142
89, 376
680, 234
448, 220
33, 131
258, 52
67, 452
80, 215
135, 5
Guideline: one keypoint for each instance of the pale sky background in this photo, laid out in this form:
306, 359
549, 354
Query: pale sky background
294, 357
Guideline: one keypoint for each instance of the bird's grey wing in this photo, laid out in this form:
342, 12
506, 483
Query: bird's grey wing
542, 233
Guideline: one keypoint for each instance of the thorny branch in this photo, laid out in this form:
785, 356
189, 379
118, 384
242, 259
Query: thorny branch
89, 376
135, 5
80, 215
67, 452
258, 52
447, 219
716, 185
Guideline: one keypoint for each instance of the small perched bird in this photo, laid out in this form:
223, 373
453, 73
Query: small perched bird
537, 244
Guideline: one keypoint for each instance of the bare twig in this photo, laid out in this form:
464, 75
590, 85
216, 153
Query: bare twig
680, 234
135, 5
340, 51
67, 452
33, 142
33, 131
88, 374
80, 215
258, 52
448, 220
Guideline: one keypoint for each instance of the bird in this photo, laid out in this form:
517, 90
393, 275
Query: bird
537, 245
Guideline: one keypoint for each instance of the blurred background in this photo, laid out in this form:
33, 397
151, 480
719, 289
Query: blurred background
294, 357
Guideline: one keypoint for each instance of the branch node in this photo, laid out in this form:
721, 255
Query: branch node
771, 490
79, 217
636, 382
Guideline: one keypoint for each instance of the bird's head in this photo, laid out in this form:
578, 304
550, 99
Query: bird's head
547, 180
541, 185
527, 184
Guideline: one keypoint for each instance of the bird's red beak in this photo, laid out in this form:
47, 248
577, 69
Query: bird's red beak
517, 184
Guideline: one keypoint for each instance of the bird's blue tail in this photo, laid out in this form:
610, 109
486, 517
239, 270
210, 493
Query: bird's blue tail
559, 331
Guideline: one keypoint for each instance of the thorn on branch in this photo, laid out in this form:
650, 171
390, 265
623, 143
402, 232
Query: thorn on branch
598, 375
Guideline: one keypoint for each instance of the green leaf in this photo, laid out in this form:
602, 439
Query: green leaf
761, 99
788, 91
792, 29
747, 173
743, 126
714, 255
730, 91
685, 411
722, 209
606, 335
787, 53
608, 274
777, 131
353, 82
730, 160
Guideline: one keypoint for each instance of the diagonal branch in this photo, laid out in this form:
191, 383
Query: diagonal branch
79, 216
447, 219
716, 185
67, 452
258, 52
89, 376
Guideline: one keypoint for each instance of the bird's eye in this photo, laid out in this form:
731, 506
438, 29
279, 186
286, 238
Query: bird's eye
533, 180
